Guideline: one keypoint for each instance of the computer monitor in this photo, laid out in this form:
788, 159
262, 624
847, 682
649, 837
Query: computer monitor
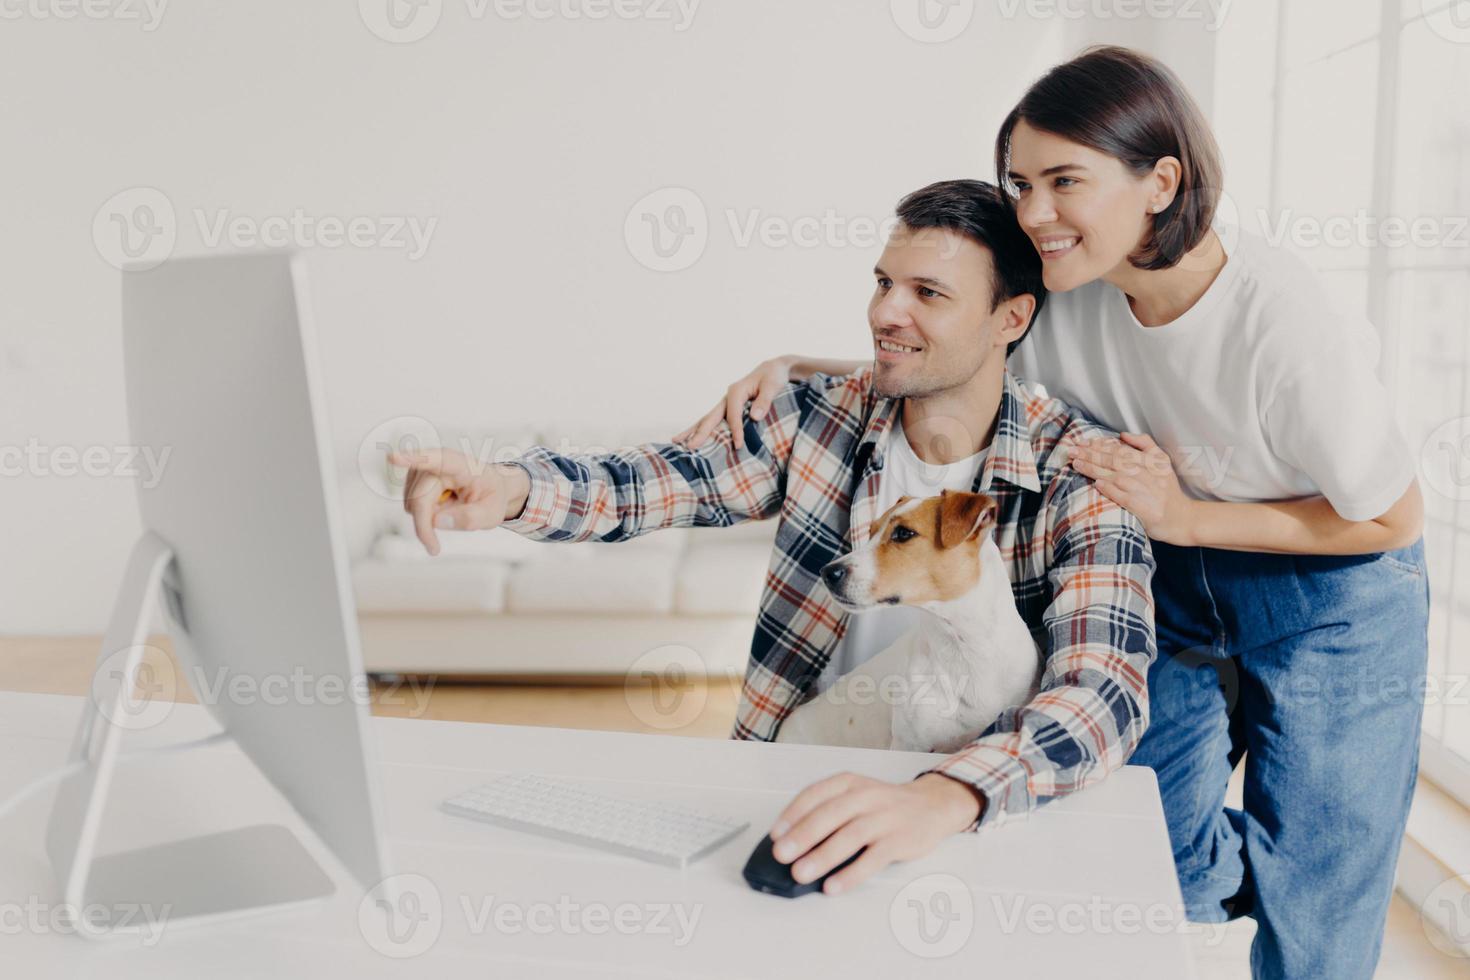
244, 543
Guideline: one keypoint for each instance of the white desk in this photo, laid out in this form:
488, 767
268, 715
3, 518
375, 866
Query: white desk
1085, 888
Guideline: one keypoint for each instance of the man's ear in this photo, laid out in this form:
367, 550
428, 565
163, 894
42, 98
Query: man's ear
963, 516
1017, 318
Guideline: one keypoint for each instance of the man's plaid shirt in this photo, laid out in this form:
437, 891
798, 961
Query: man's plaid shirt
1079, 564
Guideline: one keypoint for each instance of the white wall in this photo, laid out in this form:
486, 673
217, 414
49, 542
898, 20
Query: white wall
527, 140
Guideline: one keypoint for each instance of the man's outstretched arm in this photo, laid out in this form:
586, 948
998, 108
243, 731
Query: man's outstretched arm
611, 496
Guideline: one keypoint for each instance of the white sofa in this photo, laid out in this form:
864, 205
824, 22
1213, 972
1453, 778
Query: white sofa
495, 603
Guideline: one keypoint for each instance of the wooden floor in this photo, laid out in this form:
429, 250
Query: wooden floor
63, 665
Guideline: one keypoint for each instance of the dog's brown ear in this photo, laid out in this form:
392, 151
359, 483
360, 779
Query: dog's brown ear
963, 516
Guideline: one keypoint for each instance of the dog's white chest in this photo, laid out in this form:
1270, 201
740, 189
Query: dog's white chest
933, 690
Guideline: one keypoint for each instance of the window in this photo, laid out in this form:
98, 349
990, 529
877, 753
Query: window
1369, 177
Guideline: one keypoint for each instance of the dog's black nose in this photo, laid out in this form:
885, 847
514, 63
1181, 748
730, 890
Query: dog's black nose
833, 575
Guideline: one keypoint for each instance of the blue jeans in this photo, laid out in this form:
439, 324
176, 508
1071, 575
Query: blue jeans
1312, 668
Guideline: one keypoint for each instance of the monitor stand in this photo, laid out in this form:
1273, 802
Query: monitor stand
197, 880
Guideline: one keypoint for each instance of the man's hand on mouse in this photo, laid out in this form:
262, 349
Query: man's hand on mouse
447, 489
846, 812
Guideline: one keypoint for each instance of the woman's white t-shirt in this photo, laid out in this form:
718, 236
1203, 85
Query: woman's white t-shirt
904, 474
1263, 390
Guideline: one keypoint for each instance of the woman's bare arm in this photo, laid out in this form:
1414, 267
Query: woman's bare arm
1135, 473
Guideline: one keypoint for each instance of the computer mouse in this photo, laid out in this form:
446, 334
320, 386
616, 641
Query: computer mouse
766, 874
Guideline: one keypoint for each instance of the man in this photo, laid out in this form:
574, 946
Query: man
957, 285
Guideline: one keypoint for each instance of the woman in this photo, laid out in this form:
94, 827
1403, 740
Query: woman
1260, 452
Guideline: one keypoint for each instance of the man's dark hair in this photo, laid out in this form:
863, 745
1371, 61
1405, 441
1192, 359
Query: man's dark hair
978, 211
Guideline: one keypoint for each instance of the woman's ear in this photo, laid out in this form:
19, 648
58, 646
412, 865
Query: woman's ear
1164, 181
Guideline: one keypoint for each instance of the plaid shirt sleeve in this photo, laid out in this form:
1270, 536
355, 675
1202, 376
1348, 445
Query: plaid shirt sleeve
1092, 705
620, 495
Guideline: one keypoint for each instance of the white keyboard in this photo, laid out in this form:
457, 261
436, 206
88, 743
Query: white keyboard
661, 832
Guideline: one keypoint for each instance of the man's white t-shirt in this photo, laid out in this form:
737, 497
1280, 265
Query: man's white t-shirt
1263, 390
904, 474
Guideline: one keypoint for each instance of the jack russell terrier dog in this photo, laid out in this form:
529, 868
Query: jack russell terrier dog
943, 682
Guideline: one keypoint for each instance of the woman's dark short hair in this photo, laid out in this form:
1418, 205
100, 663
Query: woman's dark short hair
1133, 108
979, 212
